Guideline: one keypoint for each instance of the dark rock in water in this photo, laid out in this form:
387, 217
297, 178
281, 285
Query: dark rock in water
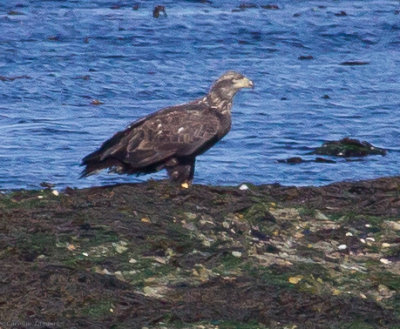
270, 7
244, 5
323, 160
297, 160
4, 78
348, 147
354, 63
157, 10
326, 96
293, 160
46, 185
341, 13
305, 57
14, 13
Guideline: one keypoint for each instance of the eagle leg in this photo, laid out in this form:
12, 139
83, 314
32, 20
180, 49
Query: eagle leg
181, 172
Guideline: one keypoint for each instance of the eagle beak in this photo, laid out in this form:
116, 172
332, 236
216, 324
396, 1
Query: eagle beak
250, 84
244, 83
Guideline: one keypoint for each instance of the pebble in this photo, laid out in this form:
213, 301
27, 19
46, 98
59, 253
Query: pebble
71, 247
342, 247
225, 224
206, 243
85, 254
145, 220
370, 239
320, 216
190, 215
385, 261
385, 245
40, 197
295, 279
362, 240
243, 187
120, 247
349, 234
236, 254
119, 276
105, 271
393, 225
55, 192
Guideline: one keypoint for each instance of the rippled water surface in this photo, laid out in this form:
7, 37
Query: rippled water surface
56, 57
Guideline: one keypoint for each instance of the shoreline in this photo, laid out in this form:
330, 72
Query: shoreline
157, 256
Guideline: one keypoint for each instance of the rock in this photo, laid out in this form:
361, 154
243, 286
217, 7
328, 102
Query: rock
190, 215
244, 5
46, 185
305, 57
145, 220
120, 247
270, 7
96, 102
15, 13
236, 254
293, 160
323, 160
157, 10
297, 160
243, 187
348, 147
354, 63
201, 272
4, 78
341, 13
342, 247
385, 261
395, 226
320, 216
295, 279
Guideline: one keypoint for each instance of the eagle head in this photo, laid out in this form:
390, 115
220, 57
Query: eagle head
226, 86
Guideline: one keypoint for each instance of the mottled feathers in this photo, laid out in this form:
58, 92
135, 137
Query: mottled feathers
170, 138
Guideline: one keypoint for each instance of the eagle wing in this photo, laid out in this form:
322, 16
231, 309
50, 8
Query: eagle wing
174, 133
180, 131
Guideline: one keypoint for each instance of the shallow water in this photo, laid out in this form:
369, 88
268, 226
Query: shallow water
64, 54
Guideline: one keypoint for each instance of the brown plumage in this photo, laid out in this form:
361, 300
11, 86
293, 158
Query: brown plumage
172, 137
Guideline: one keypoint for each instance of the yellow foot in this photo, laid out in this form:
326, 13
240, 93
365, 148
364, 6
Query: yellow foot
185, 185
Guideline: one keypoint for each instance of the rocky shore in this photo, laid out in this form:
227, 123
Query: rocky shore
153, 255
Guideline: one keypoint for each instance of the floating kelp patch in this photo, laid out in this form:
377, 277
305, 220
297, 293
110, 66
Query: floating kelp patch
348, 147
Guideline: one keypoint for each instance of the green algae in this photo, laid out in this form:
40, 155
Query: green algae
160, 257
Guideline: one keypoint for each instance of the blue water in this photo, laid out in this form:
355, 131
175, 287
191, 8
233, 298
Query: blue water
75, 52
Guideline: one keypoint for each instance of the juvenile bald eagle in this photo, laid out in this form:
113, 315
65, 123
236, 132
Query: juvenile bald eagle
172, 137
